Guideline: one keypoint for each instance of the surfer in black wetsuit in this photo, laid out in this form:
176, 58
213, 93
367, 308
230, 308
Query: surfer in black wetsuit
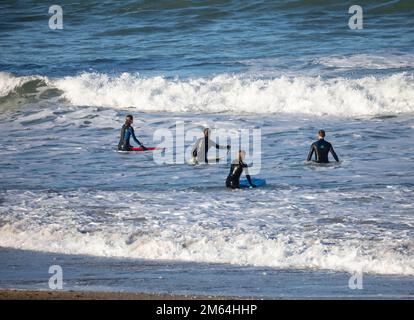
202, 145
236, 169
321, 148
127, 132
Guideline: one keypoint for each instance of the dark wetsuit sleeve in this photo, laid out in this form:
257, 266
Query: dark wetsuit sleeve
122, 138
250, 180
134, 137
334, 154
246, 172
217, 146
195, 148
311, 151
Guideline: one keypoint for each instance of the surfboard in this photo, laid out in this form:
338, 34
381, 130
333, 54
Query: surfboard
211, 160
147, 149
257, 182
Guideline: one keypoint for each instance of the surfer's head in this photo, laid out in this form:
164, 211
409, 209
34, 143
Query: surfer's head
241, 154
207, 132
129, 119
321, 134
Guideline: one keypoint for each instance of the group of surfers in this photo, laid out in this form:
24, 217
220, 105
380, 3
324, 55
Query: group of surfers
320, 148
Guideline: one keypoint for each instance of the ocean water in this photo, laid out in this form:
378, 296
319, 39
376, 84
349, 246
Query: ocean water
287, 68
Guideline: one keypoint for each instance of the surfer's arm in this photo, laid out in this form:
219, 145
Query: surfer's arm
135, 138
217, 146
334, 154
249, 179
195, 148
310, 153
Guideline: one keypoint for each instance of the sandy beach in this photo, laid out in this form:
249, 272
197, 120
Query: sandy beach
11, 294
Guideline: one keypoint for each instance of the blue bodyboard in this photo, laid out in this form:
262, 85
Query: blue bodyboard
257, 182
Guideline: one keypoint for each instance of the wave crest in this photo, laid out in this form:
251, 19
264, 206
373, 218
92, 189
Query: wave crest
214, 246
237, 94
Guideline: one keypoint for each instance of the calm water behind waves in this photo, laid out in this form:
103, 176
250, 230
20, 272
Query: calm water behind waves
195, 37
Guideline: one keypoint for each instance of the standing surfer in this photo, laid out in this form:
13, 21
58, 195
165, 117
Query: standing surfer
321, 148
202, 145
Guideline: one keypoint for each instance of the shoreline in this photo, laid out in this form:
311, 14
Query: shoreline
48, 295
25, 275
23, 294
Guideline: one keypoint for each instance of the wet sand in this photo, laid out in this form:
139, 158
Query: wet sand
10, 294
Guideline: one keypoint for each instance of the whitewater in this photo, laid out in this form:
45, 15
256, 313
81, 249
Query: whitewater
360, 219
353, 216
239, 94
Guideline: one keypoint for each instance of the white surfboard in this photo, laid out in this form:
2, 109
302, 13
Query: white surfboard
211, 160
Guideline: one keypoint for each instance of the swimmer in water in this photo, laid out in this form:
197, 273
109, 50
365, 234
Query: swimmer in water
321, 148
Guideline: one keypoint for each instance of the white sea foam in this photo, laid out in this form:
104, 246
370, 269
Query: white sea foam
203, 229
9, 82
368, 61
235, 94
215, 246
366, 96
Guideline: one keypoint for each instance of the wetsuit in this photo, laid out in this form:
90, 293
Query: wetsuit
236, 169
201, 147
321, 148
126, 133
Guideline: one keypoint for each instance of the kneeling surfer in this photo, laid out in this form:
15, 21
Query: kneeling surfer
236, 169
127, 132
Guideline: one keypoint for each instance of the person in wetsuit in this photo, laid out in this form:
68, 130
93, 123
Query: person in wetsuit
202, 145
237, 167
321, 148
127, 132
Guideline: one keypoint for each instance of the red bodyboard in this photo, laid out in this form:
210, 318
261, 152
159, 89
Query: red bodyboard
147, 149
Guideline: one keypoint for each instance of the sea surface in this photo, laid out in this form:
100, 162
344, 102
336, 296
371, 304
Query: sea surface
286, 68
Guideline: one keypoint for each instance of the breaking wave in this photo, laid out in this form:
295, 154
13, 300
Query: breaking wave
213, 246
367, 96
94, 223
